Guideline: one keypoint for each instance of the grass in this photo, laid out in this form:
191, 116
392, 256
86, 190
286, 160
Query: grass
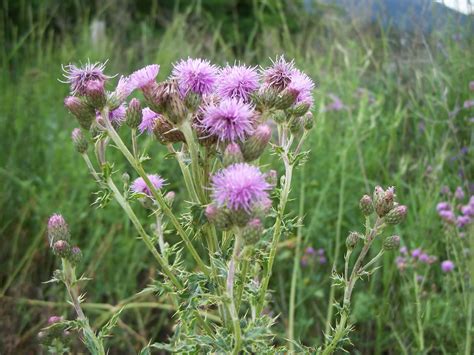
409, 135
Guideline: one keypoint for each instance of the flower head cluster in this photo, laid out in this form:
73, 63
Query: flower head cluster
140, 186
195, 75
462, 216
240, 187
413, 258
238, 82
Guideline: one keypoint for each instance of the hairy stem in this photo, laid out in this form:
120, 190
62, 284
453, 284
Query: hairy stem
234, 312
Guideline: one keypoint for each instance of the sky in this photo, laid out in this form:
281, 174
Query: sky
464, 6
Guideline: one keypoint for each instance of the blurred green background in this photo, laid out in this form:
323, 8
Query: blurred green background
389, 111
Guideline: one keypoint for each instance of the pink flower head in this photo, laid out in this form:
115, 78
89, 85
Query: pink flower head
240, 187
148, 120
310, 251
447, 216
415, 253
404, 250
238, 81
443, 206
117, 116
459, 193
303, 85
124, 88
139, 185
336, 104
78, 77
462, 221
196, 75
447, 266
144, 76
229, 120
401, 262
424, 258
468, 210
278, 76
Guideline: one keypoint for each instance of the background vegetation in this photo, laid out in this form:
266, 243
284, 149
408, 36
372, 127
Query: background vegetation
401, 122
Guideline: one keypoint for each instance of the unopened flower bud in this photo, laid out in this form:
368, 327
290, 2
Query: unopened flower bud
308, 121
383, 200
75, 256
266, 99
286, 99
252, 232
366, 205
54, 319
79, 140
192, 101
352, 239
300, 109
396, 215
176, 110
218, 216
391, 243
165, 133
296, 124
241, 217
126, 178
254, 146
279, 116
61, 248
134, 115
95, 93
169, 198
232, 154
271, 177
84, 113
57, 229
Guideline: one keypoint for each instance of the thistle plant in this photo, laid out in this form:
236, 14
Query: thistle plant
217, 123
380, 212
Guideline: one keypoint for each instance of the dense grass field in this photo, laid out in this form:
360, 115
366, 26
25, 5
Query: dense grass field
390, 110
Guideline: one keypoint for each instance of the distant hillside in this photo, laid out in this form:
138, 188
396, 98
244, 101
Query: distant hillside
406, 15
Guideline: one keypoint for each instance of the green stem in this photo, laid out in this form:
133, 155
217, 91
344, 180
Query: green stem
296, 269
234, 313
276, 232
373, 261
421, 337
155, 193
96, 346
134, 143
246, 256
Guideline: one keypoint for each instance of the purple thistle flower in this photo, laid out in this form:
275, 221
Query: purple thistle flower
148, 120
57, 229
415, 253
462, 221
196, 75
459, 193
443, 206
278, 76
124, 89
336, 104
310, 251
139, 185
447, 216
229, 120
238, 81
322, 260
304, 86
445, 191
78, 77
144, 77
404, 250
54, 319
117, 116
401, 262
447, 266
424, 258
468, 104
467, 210
240, 187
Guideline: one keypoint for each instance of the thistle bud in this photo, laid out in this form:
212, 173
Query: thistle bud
75, 256
134, 115
300, 109
176, 110
396, 215
271, 177
279, 116
169, 198
218, 216
57, 229
79, 140
254, 146
84, 113
165, 133
352, 239
192, 101
391, 243
61, 248
232, 154
267, 98
286, 99
296, 124
95, 94
54, 319
240, 217
366, 205
383, 200
308, 121
252, 232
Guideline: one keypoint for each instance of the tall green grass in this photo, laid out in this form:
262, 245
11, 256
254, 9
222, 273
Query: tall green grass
409, 136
